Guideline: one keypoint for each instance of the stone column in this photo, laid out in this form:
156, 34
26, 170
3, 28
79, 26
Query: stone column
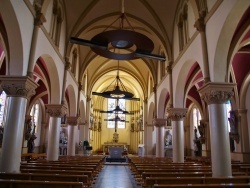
56, 112
38, 21
176, 115
216, 95
72, 121
18, 90
201, 27
159, 124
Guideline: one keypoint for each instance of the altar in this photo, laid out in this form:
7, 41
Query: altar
106, 145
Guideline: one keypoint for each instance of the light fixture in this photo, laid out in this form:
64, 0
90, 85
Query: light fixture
116, 119
117, 110
103, 43
119, 91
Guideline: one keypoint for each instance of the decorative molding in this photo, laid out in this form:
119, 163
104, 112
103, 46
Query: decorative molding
72, 120
216, 92
176, 114
18, 86
169, 69
56, 110
67, 63
80, 86
200, 24
39, 19
159, 122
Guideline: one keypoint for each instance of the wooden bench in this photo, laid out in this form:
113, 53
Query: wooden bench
45, 177
36, 156
150, 181
223, 185
26, 156
5, 183
73, 172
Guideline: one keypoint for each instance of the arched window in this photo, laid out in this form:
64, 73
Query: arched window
229, 108
196, 119
185, 25
112, 103
56, 23
180, 32
34, 113
2, 107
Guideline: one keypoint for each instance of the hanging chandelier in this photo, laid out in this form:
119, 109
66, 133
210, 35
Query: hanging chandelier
117, 110
104, 43
119, 91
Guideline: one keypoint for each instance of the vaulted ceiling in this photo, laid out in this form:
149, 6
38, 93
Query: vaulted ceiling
153, 18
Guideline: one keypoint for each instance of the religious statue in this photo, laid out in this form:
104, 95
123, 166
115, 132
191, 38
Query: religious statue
233, 121
197, 144
201, 129
115, 137
233, 132
168, 140
30, 135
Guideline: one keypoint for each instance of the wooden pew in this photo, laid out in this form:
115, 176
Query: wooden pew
36, 156
26, 156
150, 181
73, 172
5, 183
223, 185
46, 177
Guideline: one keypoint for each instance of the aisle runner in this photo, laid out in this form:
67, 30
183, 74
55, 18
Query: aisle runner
115, 176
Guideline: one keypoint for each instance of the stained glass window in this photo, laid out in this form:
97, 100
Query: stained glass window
196, 119
112, 103
34, 113
229, 108
2, 107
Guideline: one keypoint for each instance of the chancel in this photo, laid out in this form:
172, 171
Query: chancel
124, 93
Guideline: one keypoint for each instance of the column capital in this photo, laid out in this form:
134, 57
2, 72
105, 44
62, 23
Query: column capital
67, 63
176, 114
73, 120
56, 110
200, 22
80, 86
159, 122
169, 69
216, 92
39, 19
18, 86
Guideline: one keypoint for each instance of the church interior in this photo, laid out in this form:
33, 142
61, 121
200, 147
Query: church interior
124, 93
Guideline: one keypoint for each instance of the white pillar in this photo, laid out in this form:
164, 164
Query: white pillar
176, 115
55, 112
72, 122
159, 124
18, 90
216, 95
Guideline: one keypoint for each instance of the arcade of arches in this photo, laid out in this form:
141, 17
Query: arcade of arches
200, 93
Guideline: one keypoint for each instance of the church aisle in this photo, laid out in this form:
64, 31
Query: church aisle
115, 176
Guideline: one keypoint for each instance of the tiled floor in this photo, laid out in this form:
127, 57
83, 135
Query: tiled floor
115, 176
